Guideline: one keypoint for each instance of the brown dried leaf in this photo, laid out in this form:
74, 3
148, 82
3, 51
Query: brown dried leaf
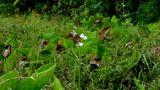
95, 61
128, 45
70, 34
43, 44
67, 35
7, 51
24, 58
155, 51
103, 32
1, 66
23, 64
59, 47
98, 21
76, 38
1, 62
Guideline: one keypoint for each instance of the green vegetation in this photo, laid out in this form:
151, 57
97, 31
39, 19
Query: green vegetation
79, 45
45, 55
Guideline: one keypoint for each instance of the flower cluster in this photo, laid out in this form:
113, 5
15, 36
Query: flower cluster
82, 36
77, 38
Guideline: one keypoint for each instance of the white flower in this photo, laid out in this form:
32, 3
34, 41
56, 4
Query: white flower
80, 44
83, 36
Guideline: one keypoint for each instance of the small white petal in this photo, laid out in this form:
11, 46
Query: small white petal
80, 44
83, 36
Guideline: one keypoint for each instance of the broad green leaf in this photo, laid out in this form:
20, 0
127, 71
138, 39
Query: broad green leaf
27, 84
10, 62
43, 75
114, 19
56, 85
45, 67
9, 80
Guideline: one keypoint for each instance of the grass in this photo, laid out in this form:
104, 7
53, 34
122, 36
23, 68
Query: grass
126, 58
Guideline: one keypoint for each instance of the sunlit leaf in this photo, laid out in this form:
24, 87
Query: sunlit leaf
114, 19
9, 80
43, 75
57, 84
26, 84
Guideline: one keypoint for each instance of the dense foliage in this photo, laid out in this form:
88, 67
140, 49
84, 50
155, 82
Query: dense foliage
141, 11
79, 45
46, 55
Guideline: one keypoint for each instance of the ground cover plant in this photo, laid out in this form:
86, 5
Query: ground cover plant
80, 53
